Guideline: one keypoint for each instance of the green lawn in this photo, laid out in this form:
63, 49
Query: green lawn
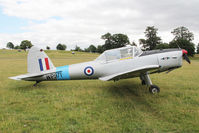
95, 106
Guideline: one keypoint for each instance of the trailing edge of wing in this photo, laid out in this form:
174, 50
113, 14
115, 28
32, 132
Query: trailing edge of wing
141, 69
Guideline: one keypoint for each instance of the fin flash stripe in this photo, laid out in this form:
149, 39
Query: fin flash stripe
40, 65
44, 64
47, 64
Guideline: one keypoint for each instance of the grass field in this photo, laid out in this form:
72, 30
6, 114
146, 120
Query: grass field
95, 106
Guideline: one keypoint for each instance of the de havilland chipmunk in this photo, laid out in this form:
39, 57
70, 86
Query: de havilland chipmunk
114, 64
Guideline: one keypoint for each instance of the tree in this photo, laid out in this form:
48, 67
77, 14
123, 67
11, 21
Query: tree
91, 48
64, 46
198, 49
162, 46
100, 49
10, 45
182, 33
25, 44
77, 48
61, 46
184, 44
86, 50
133, 44
17, 47
151, 37
142, 42
183, 38
47, 47
115, 40
107, 37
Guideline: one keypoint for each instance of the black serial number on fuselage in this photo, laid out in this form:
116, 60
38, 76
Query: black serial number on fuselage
54, 76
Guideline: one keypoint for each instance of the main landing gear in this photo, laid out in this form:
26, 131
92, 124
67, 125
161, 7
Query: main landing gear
36, 83
145, 79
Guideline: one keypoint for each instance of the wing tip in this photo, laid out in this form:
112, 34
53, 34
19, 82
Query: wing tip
103, 79
15, 78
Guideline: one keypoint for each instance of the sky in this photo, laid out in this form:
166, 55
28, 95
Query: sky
83, 22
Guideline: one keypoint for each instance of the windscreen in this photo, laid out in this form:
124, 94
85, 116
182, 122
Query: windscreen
122, 53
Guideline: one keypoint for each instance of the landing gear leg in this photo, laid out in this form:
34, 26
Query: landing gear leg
143, 82
152, 88
36, 83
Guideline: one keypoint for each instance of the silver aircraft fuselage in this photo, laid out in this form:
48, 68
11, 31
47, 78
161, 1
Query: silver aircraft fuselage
165, 59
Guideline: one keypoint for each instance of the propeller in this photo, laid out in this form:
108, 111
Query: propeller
184, 52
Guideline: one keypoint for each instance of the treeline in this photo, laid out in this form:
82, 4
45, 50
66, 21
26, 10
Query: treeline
111, 41
183, 38
25, 44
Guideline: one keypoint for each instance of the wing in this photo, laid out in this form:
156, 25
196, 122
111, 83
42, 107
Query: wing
130, 74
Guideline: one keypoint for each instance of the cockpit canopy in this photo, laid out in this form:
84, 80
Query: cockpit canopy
127, 52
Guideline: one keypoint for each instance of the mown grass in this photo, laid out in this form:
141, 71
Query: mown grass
96, 106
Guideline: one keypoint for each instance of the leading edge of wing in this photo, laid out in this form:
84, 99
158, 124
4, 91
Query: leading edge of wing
145, 69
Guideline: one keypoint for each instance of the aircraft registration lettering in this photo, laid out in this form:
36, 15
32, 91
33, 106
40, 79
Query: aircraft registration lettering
59, 74
51, 76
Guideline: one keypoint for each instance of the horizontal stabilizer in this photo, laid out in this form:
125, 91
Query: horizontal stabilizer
18, 77
28, 76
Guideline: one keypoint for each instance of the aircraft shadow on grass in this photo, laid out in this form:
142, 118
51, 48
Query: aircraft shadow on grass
127, 88
120, 88
28, 87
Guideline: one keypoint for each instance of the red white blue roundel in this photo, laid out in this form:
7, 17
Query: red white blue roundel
88, 71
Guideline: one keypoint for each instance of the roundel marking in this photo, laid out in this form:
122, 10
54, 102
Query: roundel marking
88, 71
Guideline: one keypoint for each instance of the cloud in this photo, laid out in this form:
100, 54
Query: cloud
82, 22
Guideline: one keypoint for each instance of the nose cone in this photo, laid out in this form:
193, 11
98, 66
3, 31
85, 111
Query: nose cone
184, 51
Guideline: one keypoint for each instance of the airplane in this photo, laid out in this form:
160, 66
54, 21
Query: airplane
114, 64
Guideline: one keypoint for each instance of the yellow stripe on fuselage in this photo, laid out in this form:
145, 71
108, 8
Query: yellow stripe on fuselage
126, 58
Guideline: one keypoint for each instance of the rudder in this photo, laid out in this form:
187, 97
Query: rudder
38, 61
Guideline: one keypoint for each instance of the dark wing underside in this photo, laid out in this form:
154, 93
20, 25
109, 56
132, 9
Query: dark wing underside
130, 74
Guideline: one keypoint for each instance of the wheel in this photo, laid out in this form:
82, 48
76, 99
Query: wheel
143, 82
154, 89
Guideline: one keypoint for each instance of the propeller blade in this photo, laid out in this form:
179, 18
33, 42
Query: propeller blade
186, 58
184, 53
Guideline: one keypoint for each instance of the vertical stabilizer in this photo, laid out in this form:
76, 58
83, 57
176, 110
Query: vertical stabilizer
38, 61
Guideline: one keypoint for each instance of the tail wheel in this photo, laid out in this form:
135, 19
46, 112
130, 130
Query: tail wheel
154, 89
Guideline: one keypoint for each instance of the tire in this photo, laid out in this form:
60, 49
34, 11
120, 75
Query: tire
153, 89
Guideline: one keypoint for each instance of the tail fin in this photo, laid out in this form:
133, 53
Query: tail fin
38, 61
